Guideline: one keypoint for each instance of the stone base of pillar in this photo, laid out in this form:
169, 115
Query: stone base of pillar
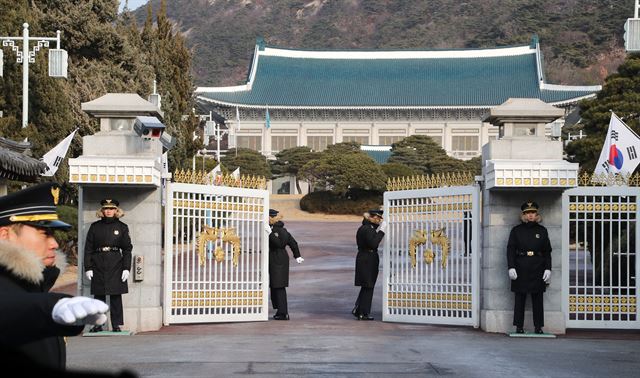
143, 319
502, 321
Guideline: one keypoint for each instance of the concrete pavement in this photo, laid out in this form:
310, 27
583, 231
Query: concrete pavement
322, 339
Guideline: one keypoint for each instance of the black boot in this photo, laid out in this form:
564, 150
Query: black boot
95, 329
539, 331
365, 317
281, 317
519, 330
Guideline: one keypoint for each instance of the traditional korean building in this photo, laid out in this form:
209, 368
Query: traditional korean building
16, 163
377, 97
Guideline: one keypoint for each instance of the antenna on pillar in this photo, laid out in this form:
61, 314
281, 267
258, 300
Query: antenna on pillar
154, 98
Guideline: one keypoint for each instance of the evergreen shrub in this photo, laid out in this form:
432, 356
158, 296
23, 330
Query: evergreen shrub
355, 202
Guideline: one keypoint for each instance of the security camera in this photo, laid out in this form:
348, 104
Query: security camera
167, 141
148, 127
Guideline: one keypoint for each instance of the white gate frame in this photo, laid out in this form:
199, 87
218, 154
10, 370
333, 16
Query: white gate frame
596, 191
228, 303
424, 297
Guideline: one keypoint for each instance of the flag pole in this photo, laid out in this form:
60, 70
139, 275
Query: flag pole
238, 128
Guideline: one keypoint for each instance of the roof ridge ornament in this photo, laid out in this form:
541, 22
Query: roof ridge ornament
260, 43
534, 41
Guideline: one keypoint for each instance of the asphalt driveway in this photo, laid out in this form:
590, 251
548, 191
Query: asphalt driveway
322, 339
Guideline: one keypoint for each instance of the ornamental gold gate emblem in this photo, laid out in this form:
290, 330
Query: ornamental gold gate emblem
438, 237
212, 234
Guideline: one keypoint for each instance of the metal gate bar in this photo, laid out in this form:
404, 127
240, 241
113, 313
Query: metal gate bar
599, 242
215, 254
431, 273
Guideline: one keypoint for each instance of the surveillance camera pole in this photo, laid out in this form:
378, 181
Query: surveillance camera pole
25, 57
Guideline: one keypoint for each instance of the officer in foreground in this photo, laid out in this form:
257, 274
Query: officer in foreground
33, 321
529, 260
107, 259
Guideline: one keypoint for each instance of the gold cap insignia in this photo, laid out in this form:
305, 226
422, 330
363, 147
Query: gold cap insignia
55, 192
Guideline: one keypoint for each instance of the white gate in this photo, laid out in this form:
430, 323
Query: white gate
599, 249
431, 256
216, 253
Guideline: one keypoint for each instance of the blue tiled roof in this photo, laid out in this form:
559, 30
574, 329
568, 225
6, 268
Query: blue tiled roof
473, 78
380, 157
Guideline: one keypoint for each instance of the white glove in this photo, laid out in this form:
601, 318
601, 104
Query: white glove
546, 276
299, 260
79, 311
383, 226
267, 228
512, 274
125, 275
89, 274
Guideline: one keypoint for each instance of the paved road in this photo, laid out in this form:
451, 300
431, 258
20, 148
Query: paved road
322, 339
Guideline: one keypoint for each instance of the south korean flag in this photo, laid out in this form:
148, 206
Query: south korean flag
620, 151
55, 157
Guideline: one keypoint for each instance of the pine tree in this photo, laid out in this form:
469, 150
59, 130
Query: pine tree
620, 94
171, 61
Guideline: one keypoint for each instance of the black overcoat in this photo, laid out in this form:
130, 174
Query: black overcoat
529, 236
278, 256
107, 267
27, 329
367, 260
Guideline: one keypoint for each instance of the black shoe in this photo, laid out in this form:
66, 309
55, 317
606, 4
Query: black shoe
365, 317
539, 331
354, 312
116, 329
281, 317
95, 329
519, 330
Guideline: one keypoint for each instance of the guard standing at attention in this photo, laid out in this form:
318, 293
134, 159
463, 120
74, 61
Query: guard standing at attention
368, 238
279, 239
107, 259
529, 260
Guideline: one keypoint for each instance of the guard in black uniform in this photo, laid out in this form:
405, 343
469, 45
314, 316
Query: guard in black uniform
368, 238
529, 259
107, 259
34, 321
279, 239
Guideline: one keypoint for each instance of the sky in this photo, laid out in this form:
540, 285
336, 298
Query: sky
133, 4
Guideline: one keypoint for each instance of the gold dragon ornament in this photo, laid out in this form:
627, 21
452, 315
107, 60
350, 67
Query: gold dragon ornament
438, 237
210, 234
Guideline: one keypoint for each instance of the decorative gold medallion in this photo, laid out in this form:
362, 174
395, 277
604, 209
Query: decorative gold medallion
219, 254
55, 192
210, 234
438, 237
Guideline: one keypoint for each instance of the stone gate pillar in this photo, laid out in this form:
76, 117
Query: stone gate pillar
123, 161
522, 165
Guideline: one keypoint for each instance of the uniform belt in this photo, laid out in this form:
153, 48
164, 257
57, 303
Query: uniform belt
529, 253
367, 250
108, 249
